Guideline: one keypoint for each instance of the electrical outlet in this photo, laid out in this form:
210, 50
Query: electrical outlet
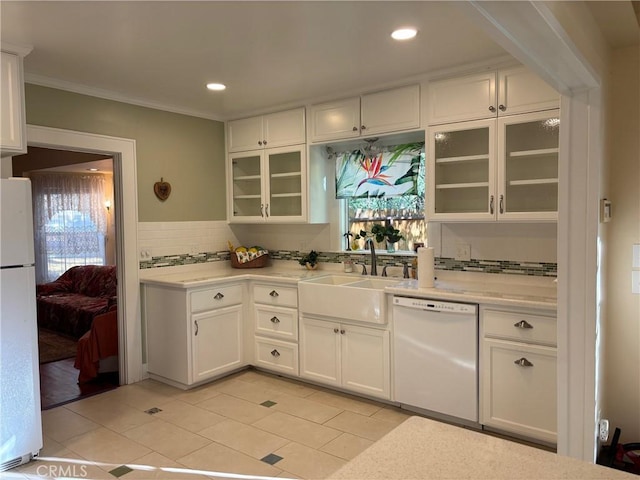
604, 430
463, 252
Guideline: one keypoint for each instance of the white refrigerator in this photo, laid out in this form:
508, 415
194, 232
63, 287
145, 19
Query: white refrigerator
20, 417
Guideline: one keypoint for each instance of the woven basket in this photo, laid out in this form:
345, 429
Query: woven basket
259, 262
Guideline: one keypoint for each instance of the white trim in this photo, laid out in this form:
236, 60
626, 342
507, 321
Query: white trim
115, 96
124, 153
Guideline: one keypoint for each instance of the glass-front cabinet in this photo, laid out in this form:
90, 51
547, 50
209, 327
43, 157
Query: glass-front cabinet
268, 185
528, 160
461, 171
476, 173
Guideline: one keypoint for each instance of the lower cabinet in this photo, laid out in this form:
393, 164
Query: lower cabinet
352, 357
518, 374
217, 342
194, 334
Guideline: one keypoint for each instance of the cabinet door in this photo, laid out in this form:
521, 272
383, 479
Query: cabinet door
284, 128
13, 125
461, 165
217, 342
335, 120
391, 110
245, 134
320, 351
528, 166
366, 366
521, 91
464, 98
519, 388
246, 202
286, 177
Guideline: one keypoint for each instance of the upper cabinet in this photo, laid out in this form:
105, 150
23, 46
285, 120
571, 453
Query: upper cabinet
486, 170
371, 114
489, 95
13, 127
266, 131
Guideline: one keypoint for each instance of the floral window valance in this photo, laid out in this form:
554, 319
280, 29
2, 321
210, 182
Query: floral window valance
377, 172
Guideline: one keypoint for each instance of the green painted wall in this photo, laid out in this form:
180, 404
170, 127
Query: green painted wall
188, 152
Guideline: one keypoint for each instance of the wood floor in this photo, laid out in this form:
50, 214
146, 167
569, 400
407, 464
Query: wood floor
59, 384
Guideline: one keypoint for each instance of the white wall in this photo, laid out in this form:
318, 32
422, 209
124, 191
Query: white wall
622, 309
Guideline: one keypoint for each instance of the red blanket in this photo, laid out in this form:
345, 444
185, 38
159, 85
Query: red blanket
98, 343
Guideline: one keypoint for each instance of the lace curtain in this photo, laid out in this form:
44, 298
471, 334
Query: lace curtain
70, 222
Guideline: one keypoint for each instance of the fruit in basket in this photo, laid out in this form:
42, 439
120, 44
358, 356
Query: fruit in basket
253, 250
257, 248
241, 249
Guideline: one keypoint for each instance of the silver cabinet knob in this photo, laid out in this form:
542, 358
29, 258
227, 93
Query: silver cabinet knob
260, 142
342, 332
523, 324
264, 142
275, 353
336, 330
274, 294
218, 296
492, 108
355, 129
275, 320
502, 108
364, 127
523, 362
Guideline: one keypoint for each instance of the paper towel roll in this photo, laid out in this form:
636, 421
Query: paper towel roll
425, 267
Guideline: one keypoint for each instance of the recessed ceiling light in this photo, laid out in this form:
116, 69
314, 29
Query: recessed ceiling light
216, 86
93, 169
404, 33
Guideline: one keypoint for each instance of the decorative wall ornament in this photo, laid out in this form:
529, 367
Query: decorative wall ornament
162, 189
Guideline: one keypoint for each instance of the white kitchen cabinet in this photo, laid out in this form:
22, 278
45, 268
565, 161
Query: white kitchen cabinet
486, 170
194, 334
352, 357
267, 131
518, 373
275, 315
491, 94
217, 342
268, 185
13, 133
370, 114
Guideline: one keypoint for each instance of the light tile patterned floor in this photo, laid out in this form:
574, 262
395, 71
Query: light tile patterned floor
305, 432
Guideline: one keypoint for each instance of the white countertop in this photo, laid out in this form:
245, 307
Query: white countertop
420, 448
469, 287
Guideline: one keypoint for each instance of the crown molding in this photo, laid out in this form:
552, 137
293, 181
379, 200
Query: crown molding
115, 96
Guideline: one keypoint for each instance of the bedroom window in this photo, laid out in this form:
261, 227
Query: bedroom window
69, 222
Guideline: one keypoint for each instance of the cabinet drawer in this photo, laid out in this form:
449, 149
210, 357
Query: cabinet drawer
519, 388
277, 322
277, 355
216, 297
521, 327
276, 295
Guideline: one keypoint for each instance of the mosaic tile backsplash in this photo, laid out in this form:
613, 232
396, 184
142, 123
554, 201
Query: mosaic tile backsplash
441, 263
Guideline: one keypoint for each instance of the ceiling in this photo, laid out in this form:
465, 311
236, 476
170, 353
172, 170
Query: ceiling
269, 54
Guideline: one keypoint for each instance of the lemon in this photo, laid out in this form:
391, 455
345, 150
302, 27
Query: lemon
253, 250
241, 249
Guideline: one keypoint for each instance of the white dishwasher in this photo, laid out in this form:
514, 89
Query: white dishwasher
436, 356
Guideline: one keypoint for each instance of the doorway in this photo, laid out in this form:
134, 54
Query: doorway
122, 151
74, 208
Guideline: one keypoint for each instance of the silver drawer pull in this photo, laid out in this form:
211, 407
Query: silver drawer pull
523, 324
275, 353
275, 320
197, 328
218, 296
274, 293
523, 362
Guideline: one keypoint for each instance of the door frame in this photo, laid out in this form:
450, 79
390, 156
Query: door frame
123, 151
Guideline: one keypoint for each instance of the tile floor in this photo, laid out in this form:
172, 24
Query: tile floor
250, 423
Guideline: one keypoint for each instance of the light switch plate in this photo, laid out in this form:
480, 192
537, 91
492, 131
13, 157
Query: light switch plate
463, 252
605, 210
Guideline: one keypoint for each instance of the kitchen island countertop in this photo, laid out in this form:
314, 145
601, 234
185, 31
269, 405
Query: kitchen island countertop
424, 449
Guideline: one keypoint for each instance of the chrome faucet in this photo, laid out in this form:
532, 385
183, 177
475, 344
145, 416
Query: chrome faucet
369, 243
